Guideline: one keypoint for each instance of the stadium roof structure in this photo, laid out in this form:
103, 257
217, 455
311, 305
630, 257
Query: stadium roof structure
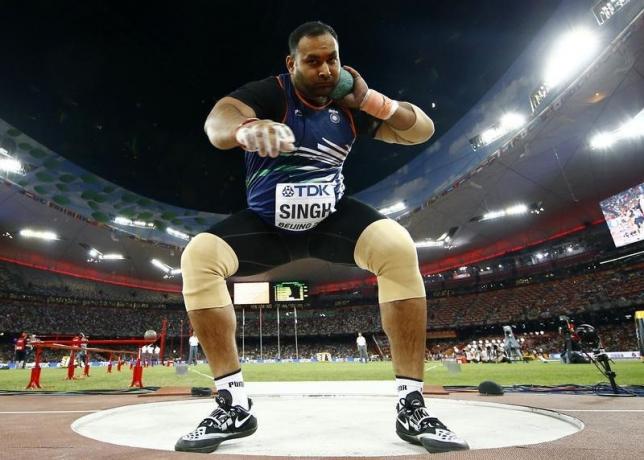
546, 163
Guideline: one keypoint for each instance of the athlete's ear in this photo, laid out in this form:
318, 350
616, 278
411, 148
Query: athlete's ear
290, 64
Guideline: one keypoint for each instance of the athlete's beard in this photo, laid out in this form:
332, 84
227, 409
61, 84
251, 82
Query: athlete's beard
310, 91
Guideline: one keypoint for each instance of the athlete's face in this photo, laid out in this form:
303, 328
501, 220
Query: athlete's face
315, 67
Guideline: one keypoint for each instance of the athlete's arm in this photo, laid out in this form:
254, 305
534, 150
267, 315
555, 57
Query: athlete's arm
234, 123
409, 125
402, 122
224, 119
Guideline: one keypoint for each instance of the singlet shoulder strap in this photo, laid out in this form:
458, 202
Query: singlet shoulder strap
281, 80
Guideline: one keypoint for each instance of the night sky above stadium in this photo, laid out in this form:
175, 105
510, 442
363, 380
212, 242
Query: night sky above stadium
123, 88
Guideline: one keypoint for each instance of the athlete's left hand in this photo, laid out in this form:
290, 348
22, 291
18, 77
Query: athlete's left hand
360, 88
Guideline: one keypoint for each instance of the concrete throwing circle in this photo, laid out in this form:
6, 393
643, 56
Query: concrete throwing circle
326, 425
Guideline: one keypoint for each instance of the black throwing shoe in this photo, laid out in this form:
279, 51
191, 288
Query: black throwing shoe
415, 425
224, 423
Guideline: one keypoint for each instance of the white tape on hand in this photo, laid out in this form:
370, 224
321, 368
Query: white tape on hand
265, 137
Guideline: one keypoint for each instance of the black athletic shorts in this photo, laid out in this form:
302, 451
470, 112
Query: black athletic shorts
261, 247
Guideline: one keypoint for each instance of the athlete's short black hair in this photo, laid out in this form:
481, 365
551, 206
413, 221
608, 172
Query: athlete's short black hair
309, 29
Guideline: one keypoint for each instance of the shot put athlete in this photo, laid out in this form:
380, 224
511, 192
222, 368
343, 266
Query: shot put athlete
296, 138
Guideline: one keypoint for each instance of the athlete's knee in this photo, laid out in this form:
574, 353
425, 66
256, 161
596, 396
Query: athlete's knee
386, 249
206, 262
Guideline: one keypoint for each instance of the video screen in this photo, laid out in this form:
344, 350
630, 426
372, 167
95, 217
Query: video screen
290, 291
624, 215
251, 293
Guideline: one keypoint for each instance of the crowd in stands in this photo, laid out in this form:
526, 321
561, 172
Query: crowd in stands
53, 318
67, 289
337, 348
614, 337
47, 303
592, 291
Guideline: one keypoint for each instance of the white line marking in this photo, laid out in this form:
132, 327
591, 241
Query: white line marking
599, 410
209, 377
50, 411
431, 367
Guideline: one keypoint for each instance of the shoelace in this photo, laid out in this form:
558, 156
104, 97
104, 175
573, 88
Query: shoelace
219, 416
420, 416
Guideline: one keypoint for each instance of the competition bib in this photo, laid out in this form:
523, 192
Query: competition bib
300, 207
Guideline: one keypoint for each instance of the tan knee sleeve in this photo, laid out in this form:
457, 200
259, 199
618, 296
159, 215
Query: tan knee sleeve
386, 249
206, 262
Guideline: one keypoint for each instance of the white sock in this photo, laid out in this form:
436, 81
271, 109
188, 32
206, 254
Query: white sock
234, 384
406, 385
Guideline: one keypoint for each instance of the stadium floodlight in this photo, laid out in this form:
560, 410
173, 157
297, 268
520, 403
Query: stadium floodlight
97, 256
10, 165
516, 210
168, 271
569, 54
602, 141
443, 241
429, 243
490, 135
493, 215
510, 211
113, 256
396, 207
41, 235
536, 208
632, 129
509, 122
120, 220
177, 234
161, 266
541, 255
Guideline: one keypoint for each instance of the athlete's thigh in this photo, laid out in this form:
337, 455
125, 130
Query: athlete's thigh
258, 246
334, 240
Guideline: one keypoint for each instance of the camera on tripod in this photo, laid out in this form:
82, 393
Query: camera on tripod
589, 344
572, 352
589, 339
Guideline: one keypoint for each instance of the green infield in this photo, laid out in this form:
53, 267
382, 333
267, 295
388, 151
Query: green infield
533, 373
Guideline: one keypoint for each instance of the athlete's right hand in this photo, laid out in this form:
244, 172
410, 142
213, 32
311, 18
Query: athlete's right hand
266, 137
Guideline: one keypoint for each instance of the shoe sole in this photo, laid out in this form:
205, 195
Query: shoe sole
432, 446
211, 448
